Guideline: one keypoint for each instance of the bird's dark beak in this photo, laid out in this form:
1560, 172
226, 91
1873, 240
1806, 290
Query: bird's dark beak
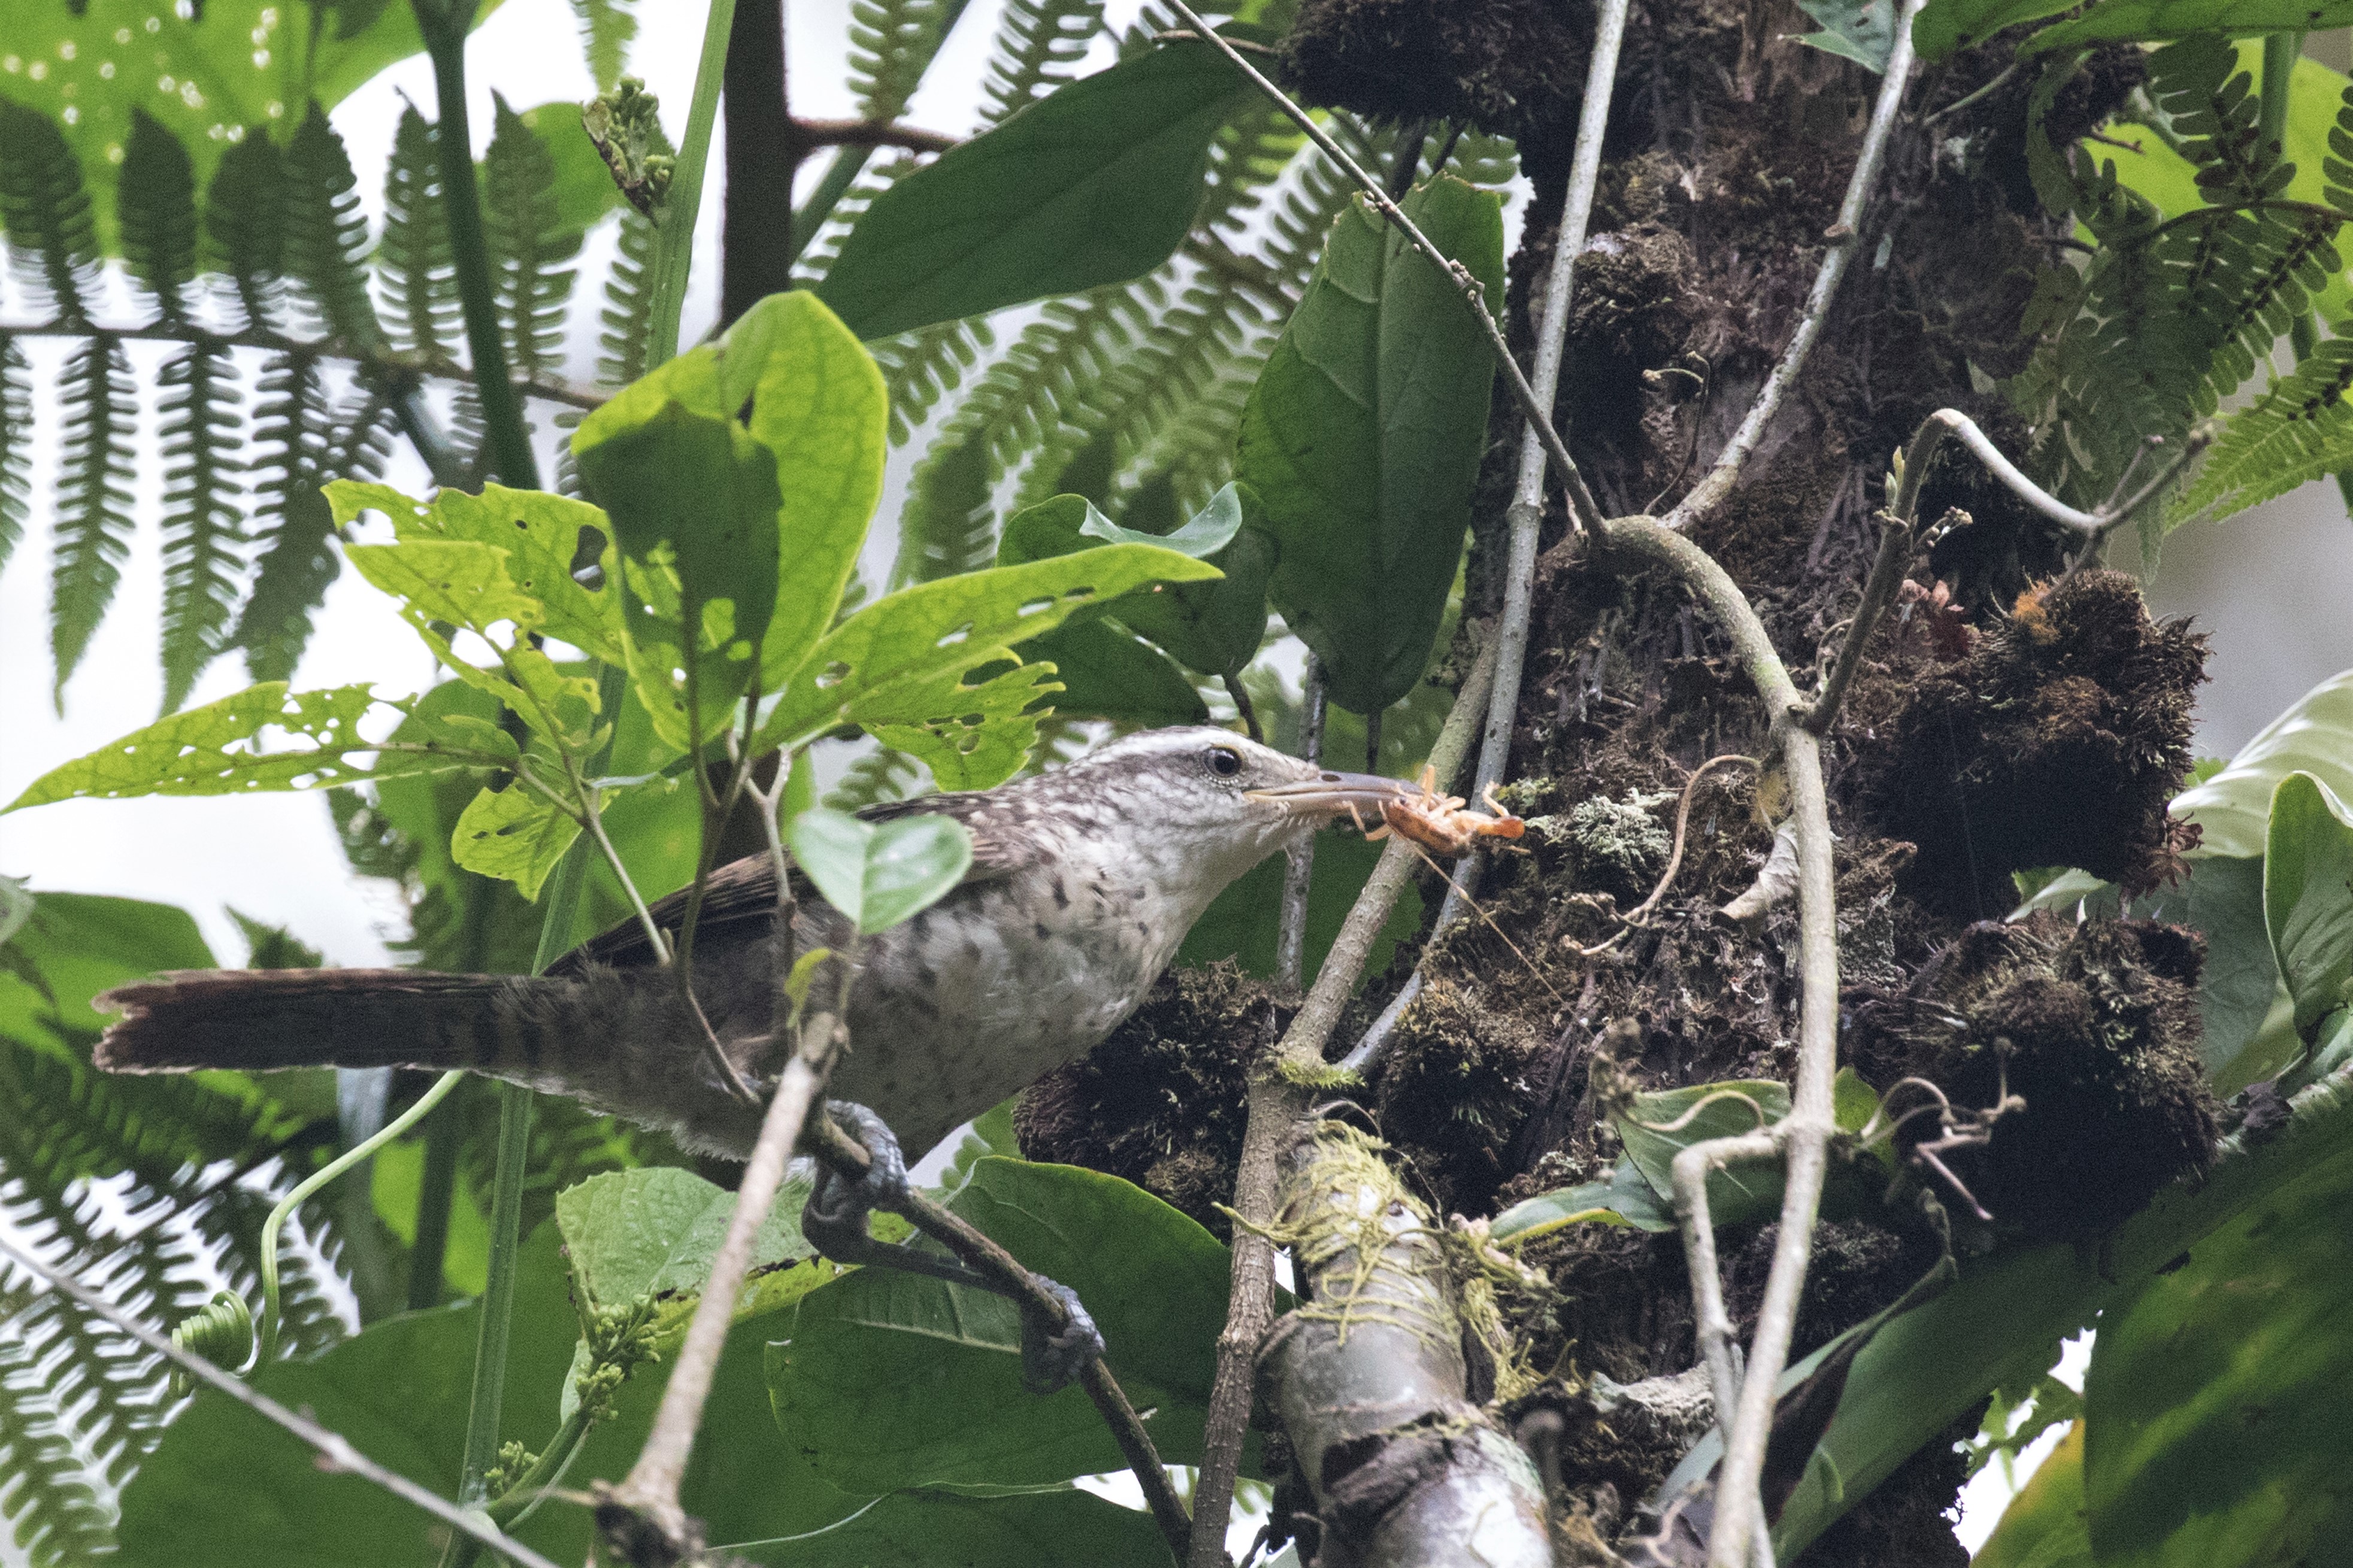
1332, 793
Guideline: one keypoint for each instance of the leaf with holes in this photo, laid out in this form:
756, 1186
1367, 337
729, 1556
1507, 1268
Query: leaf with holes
220, 748
515, 834
879, 873
888, 656
970, 736
546, 537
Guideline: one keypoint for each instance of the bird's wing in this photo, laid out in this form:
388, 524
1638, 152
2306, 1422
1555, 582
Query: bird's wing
746, 891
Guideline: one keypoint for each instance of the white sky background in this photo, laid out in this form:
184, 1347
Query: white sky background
2269, 584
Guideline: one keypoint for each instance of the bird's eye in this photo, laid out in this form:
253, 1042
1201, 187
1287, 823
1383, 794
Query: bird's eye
1225, 762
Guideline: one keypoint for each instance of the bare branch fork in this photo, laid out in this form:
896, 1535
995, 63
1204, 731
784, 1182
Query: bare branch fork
335, 1452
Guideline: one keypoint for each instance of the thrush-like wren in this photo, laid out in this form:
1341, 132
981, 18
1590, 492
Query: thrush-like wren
1083, 882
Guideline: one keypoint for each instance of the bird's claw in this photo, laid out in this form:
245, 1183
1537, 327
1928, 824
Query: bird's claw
1053, 1359
834, 1222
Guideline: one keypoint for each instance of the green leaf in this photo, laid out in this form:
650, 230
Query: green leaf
2215, 1403
1735, 1197
1945, 26
818, 404
1107, 674
326, 232
878, 873
891, 1380
1627, 1198
2308, 897
1860, 30
971, 737
882, 665
531, 238
227, 73
515, 834
583, 191
225, 1491
1363, 437
541, 535
2154, 21
2232, 808
1244, 921
1214, 627
652, 1232
694, 502
1095, 183
2043, 1526
1066, 523
74, 946
217, 749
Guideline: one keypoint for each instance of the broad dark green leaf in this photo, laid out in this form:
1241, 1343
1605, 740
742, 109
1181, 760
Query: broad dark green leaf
1626, 1198
224, 1489
2043, 1526
584, 191
1065, 523
2308, 897
72, 946
1095, 183
2156, 21
230, 69
1107, 674
2001, 1324
1945, 26
1242, 922
934, 1528
693, 500
2232, 809
893, 1380
2216, 1435
878, 873
1742, 1193
1364, 434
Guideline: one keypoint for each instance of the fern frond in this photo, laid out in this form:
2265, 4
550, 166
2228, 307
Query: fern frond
528, 245
157, 203
608, 28
891, 43
2299, 431
922, 367
53, 1512
202, 436
882, 775
947, 526
245, 227
416, 280
16, 444
94, 497
326, 233
628, 315
45, 211
1039, 45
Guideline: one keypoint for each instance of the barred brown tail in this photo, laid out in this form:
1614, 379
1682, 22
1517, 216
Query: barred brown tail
259, 1019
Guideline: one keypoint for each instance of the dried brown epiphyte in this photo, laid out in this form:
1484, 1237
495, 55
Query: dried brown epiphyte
1512, 68
1163, 1102
2057, 742
2095, 1029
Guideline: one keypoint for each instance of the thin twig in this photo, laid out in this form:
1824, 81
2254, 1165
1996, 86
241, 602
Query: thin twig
1584, 511
1291, 935
1243, 706
1896, 540
1279, 1099
335, 1451
1683, 823
649, 1496
1524, 517
1704, 496
1006, 1273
